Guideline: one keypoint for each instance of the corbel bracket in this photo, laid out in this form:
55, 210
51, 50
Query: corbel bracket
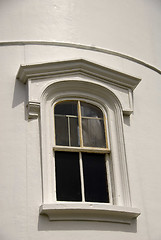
33, 110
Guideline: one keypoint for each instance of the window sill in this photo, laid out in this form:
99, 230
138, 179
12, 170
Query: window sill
89, 212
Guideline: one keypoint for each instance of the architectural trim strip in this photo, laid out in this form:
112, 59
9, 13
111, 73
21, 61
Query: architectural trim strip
81, 46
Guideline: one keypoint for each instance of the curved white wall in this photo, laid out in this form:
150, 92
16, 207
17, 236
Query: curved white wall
129, 27
123, 35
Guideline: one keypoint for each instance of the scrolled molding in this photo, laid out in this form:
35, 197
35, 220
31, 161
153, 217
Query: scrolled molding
33, 110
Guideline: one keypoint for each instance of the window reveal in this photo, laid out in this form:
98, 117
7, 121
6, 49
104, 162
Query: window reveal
80, 175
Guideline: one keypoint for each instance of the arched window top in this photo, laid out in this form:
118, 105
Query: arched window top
71, 108
79, 124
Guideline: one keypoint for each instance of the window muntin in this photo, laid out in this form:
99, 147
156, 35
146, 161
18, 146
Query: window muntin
80, 175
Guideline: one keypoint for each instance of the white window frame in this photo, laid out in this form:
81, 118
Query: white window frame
51, 82
80, 149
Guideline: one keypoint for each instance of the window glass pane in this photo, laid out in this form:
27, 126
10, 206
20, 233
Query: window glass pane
93, 133
68, 185
61, 130
74, 132
88, 110
66, 108
95, 179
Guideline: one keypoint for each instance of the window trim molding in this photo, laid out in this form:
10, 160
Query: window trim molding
121, 84
51, 82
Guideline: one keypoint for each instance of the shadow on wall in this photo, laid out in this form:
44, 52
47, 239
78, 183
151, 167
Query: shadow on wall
19, 95
45, 225
127, 120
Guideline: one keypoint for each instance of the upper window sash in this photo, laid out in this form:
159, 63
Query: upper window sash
79, 124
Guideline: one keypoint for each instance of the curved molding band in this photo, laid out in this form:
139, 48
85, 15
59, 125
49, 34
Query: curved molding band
81, 46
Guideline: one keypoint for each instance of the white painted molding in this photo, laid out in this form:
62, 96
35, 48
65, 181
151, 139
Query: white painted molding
89, 91
89, 212
79, 66
38, 75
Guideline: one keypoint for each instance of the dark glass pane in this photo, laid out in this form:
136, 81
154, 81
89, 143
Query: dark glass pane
66, 108
95, 179
68, 184
88, 110
93, 133
61, 130
74, 132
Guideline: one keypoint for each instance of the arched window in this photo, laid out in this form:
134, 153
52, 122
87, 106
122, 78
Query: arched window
79, 106
81, 172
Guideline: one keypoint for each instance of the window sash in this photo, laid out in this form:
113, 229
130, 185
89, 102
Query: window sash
85, 188
80, 149
81, 132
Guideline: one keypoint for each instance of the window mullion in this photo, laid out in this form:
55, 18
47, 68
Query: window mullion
81, 176
80, 124
69, 131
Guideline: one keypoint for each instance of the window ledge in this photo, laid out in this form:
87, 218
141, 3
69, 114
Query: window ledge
89, 212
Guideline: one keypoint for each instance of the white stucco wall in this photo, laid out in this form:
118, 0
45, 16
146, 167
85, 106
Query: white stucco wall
104, 32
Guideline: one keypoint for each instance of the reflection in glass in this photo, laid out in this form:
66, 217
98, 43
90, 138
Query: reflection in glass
66, 108
93, 133
74, 132
67, 126
88, 110
61, 130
